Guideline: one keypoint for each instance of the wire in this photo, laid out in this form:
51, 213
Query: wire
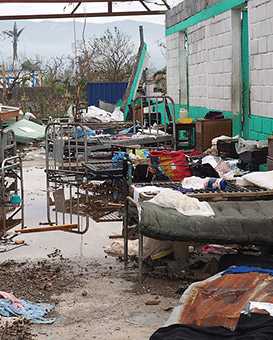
84, 29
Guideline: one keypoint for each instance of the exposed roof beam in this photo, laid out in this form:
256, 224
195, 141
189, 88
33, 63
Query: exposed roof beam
56, 1
110, 7
75, 9
166, 4
78, 15
144, 5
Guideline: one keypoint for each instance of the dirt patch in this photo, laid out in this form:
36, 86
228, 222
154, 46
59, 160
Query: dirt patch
39, 281
15, 329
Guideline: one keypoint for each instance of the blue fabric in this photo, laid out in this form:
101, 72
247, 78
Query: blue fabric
119, 156
35, 312
130, 130
247, 269
80, 132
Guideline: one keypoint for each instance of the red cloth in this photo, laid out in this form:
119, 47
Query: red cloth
174, 164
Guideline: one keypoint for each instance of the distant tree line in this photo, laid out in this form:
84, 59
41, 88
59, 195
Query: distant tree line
109, 57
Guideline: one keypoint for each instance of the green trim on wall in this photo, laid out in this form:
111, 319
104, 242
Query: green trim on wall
207, 13
260, 128
137, 78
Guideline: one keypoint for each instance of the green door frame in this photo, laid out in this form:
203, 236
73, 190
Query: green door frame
245, 74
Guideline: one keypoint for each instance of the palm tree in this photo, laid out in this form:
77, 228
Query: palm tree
14, 35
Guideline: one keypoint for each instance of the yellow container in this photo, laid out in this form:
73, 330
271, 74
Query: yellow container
185, 120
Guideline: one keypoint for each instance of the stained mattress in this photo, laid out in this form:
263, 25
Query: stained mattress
234, 222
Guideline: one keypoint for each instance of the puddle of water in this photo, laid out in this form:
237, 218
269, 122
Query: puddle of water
89, 245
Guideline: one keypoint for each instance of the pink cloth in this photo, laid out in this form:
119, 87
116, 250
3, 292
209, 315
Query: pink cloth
12, 298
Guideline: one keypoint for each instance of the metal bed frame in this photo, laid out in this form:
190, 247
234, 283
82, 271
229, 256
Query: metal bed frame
7, 144
149, 105
64, 173
232, 192
11, 182
69, 170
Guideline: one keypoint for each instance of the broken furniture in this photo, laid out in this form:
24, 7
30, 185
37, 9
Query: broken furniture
156, 115
235, 222
71, 171
11, 194
11, 183
208, 129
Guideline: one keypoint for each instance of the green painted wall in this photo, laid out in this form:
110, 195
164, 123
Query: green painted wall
255, 127
260, 128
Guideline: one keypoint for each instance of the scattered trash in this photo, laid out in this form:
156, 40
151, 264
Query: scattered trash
27, 132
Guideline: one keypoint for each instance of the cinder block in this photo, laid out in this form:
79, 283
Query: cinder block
263, 45
266, 61
254, 46
270, 42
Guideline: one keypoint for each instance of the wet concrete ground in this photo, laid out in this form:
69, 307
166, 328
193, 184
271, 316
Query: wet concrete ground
105, 304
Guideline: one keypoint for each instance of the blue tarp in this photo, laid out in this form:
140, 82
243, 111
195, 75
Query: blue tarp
247, 269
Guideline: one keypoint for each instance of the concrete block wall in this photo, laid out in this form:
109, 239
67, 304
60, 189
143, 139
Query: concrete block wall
219, 38
261, 52
198, 60
215, 62
173, 56
210, 63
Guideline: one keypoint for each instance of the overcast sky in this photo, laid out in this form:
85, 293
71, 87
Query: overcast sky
8, 9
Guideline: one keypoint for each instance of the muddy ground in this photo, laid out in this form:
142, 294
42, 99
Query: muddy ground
94, 297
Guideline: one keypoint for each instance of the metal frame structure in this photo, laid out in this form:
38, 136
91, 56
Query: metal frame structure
71, 162
74, 14
231, 193
11, 180
63, 173
149, 105
7, 144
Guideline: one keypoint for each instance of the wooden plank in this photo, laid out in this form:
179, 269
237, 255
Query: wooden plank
59, 227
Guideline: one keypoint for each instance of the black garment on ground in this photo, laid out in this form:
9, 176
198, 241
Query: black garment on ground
204, 170
254, 327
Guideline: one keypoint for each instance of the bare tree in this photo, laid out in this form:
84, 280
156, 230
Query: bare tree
108, 58
14, 36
